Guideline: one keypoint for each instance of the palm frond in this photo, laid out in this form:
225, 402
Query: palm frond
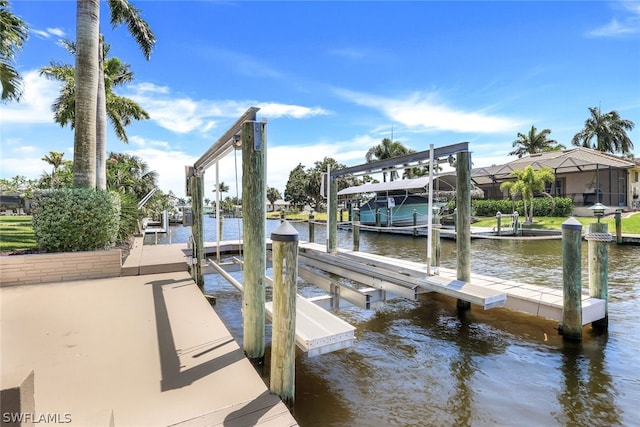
122, 12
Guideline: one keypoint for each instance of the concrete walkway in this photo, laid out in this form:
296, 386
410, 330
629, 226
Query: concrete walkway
143, 350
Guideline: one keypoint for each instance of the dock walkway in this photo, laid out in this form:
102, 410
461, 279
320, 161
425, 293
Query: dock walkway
317, 330
130, 351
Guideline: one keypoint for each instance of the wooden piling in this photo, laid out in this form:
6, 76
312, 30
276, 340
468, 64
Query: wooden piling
356, 229
312, 228
618, 219
598, 251
436, 248
254, 239
463, 221
571, 327
197, 230
378, 221
332, 214
283, 342
415, 223
499, 223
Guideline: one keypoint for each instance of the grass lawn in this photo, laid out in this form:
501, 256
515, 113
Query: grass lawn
16, 232
630, 224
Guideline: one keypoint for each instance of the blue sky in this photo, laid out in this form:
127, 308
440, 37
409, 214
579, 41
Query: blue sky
334, 78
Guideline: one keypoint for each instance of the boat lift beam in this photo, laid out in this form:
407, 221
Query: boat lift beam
403, 161
317, 330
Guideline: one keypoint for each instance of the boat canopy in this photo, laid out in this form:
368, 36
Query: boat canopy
446, 181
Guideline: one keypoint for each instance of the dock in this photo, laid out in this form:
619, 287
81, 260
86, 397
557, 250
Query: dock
133, 350
318, 331
410, 278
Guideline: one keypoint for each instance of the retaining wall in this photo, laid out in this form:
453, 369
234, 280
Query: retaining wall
59, 267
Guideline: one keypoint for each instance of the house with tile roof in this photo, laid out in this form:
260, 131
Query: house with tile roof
585, 175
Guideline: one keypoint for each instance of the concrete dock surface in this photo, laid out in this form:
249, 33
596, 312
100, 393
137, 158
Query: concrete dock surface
144, 350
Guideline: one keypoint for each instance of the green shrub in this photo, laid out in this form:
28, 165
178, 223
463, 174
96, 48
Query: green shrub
76, 219
541, 207
130, 217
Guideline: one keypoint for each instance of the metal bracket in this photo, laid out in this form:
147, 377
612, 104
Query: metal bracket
257, 136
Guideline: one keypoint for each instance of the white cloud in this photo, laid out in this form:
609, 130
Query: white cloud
626, 25
614, 28
182, 114
142, 142
425, 111
35, 104
58, 32
21, 160
275, 110
146, 87
46, 34
168, 164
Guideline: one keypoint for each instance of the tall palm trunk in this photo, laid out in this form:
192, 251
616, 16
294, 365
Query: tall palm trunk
87, 77
101, 125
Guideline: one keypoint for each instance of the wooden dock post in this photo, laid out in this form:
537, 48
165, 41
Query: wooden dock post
254, 239
283, 342
499, 223
437, 249
415, 223
598, 247
571, 326
356, 229
197, 230
463, 221
378, 219
618, 219
332, 216
312, 228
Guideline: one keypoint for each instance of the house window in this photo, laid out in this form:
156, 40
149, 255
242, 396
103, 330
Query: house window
635, 174
555, 189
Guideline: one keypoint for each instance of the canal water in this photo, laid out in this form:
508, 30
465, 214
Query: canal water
422, 364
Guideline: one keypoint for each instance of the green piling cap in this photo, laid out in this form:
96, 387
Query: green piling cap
284, 233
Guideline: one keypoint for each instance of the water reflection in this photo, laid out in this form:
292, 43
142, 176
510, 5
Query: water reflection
588, 397
421, 364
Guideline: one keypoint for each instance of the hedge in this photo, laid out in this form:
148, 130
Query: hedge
76, 219
541, 207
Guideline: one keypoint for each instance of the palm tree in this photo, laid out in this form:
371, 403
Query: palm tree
57, 161
13, 33
120, 110
88, 71
610, 131
272, 195
222, 188
527, 182
386, 150
130, 174
534, 142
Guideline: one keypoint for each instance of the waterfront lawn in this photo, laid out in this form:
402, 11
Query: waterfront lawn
16, 232
630, 224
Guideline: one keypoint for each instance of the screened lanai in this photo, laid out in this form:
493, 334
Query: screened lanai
586, 176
